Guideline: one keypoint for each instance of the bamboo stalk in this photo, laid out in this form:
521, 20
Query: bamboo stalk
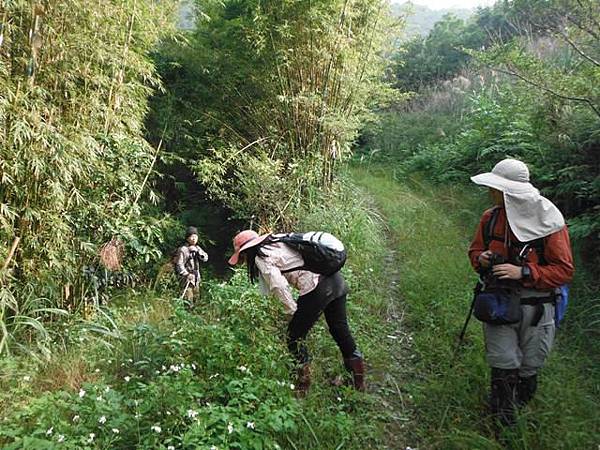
11, 253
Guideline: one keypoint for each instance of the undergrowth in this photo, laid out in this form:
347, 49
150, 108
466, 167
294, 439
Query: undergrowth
153, 374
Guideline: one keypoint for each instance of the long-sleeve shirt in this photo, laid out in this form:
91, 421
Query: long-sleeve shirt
186, 261
280, 257
552, 270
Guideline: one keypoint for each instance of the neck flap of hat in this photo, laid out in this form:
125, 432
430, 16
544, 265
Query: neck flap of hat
532, 216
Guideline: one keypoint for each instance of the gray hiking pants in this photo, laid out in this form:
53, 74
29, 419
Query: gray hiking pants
521, 345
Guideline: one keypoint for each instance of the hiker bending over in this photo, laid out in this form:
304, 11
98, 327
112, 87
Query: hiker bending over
187, 264
278, 265
522, 249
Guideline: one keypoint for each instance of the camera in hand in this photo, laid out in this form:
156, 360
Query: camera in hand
198, 257
487, 275
496, 259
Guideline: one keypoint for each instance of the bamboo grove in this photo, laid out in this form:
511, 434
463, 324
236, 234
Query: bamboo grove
74, 83
267, 96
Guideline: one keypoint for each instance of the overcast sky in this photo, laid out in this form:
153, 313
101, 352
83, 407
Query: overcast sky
439, 4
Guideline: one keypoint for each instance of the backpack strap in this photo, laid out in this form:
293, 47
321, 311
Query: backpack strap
488, 229
488, 236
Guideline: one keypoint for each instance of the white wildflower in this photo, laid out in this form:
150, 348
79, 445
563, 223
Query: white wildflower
192, 414
99, 398
214, 447
339, 399
61, 437
229, 428
81, 393
242, 368
76, 418
156, 428
170, 447
50, 430
127, 378
91, 438
292, 387
27, 378
250, 425
97, 370
193, 366
107, 388
102, 420
115, 431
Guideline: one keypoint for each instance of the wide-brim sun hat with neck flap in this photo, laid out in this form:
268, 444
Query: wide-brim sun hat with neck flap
243, 241
529, 214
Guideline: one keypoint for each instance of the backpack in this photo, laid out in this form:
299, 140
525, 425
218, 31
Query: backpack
322, 252
561, 294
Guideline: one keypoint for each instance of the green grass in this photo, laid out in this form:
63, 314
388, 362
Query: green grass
432, 228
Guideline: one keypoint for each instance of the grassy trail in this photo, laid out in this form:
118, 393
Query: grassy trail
431, 229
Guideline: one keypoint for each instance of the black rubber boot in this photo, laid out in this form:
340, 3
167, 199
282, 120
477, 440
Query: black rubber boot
526, 387
503, 397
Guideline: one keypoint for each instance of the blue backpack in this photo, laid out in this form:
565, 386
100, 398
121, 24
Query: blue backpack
561, 299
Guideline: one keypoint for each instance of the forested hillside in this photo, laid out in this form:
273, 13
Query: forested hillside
123, 123
421, 19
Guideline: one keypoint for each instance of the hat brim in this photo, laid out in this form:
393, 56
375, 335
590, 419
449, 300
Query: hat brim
492, 180
235, 258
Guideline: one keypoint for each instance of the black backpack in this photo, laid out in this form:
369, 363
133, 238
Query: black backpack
322, 252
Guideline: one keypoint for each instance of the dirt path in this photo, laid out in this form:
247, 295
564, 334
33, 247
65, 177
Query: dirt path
390, 383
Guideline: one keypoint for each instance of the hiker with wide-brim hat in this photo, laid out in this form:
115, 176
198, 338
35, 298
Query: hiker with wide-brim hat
522, 247
275, 264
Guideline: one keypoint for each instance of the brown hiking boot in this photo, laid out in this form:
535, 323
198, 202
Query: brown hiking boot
356, 365
303, 383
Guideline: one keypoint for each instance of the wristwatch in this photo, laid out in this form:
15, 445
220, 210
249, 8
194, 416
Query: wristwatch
525, 272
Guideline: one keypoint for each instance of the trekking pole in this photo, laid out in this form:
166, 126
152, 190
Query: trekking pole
464, 328
185, 289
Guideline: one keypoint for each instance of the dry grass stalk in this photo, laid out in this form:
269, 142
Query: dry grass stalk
111, 254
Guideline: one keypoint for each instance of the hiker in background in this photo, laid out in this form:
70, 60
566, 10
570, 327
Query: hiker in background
522, 248
187, 264
278, 265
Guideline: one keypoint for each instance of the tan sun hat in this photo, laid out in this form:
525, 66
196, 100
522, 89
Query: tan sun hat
529, 214
243, 241
509, 175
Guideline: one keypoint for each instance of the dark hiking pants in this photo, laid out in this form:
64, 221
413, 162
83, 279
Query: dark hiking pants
329, 297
